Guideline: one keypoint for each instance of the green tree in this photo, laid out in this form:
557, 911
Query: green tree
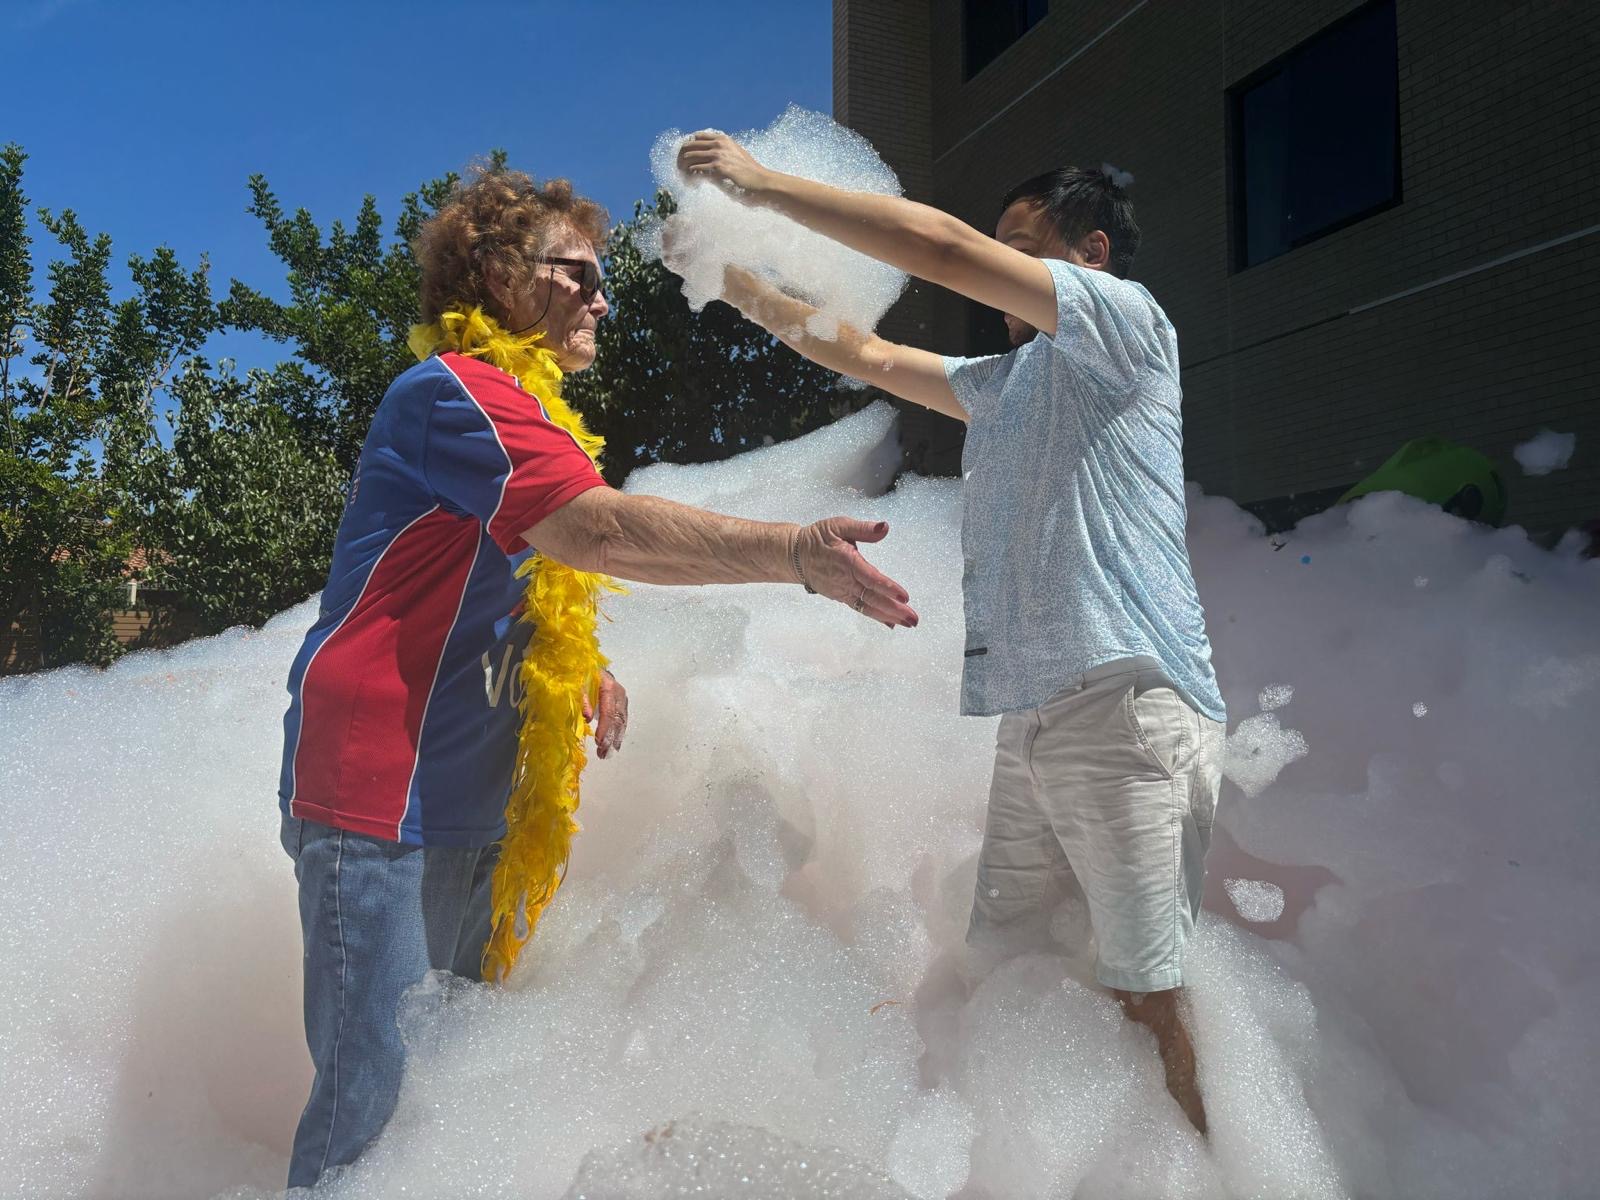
246, 501
669, 385
77, 377
242, 506
352, 301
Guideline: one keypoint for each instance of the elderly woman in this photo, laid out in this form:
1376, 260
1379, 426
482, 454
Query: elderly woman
441, 701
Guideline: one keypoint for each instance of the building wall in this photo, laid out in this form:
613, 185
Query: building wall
1287, 390
154, 622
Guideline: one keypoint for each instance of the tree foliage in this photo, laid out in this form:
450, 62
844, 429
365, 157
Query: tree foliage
352, 301
242, 506
77, 376
246, 501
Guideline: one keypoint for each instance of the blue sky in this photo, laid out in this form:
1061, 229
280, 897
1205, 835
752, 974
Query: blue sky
147, 118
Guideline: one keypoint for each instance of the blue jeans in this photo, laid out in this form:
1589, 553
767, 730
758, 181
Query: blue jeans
376, 917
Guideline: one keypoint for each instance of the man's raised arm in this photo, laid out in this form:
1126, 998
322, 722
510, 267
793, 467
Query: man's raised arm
919, 240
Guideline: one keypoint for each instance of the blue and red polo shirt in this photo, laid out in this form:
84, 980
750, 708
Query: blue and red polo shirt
402, 720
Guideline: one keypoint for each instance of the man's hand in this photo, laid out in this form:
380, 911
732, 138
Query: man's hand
831, 566
717, 157
613, 721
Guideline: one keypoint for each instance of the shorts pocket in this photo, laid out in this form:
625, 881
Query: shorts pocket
1160, 721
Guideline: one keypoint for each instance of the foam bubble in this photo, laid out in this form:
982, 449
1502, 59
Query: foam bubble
1275, 696
713, 230
1258, 749
929, 1156
1255, 899
1545, 451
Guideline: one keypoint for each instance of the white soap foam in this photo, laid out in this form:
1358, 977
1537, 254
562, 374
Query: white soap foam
712, 229
1259, 748
1545, 451
694, 1161
1257, 900
1275, 696
759, 946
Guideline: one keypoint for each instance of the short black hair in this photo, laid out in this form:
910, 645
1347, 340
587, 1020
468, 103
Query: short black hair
1078, 202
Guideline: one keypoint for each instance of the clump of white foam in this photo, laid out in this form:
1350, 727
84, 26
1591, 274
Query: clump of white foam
1545, 451
1123, 179
1275, 696
754, 981
1255, 899
1259, 749
713, 229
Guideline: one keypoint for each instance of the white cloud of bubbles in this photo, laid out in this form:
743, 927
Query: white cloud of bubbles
1545, 451
713, 230
750, 982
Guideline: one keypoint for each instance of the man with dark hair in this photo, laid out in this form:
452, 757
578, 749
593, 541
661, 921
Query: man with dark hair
1083, 625
1078, 202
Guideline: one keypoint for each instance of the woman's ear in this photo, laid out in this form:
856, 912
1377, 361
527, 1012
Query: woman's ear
494, 282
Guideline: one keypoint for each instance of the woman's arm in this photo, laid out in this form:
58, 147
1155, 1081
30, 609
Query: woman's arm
920, 240
652, 540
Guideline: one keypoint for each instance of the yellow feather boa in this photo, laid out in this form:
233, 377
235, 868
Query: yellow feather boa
560, 668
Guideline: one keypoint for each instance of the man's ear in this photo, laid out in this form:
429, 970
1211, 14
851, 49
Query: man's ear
1095, 247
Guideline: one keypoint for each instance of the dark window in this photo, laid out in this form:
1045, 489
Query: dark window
1316, 140
989, 26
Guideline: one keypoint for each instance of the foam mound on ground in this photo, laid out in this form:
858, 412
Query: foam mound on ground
752, 983
712, 229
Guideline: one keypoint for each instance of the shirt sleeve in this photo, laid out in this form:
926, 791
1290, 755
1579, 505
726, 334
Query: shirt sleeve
977, 382
1105, 325
491, 451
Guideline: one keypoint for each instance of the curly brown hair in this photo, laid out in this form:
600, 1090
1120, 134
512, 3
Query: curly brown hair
497, 218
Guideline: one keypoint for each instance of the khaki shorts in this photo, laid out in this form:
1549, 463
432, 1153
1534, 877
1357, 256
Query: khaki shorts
1105, 793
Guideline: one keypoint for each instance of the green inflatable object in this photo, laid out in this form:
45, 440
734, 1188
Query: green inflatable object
1456, 478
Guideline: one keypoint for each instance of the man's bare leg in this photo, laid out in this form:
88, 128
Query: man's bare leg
1158, 1012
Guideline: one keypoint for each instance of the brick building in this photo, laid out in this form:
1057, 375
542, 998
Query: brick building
1369, 220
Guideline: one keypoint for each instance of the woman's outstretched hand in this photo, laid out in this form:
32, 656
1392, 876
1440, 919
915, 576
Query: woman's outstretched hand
830, 565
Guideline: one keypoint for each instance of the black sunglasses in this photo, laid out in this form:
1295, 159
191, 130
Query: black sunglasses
589, 277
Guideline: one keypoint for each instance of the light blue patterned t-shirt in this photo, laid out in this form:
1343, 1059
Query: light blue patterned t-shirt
1072, 535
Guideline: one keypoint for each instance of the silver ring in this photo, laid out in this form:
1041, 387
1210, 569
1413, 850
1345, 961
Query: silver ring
861, 600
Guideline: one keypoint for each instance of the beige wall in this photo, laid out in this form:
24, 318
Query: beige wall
1287, 391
